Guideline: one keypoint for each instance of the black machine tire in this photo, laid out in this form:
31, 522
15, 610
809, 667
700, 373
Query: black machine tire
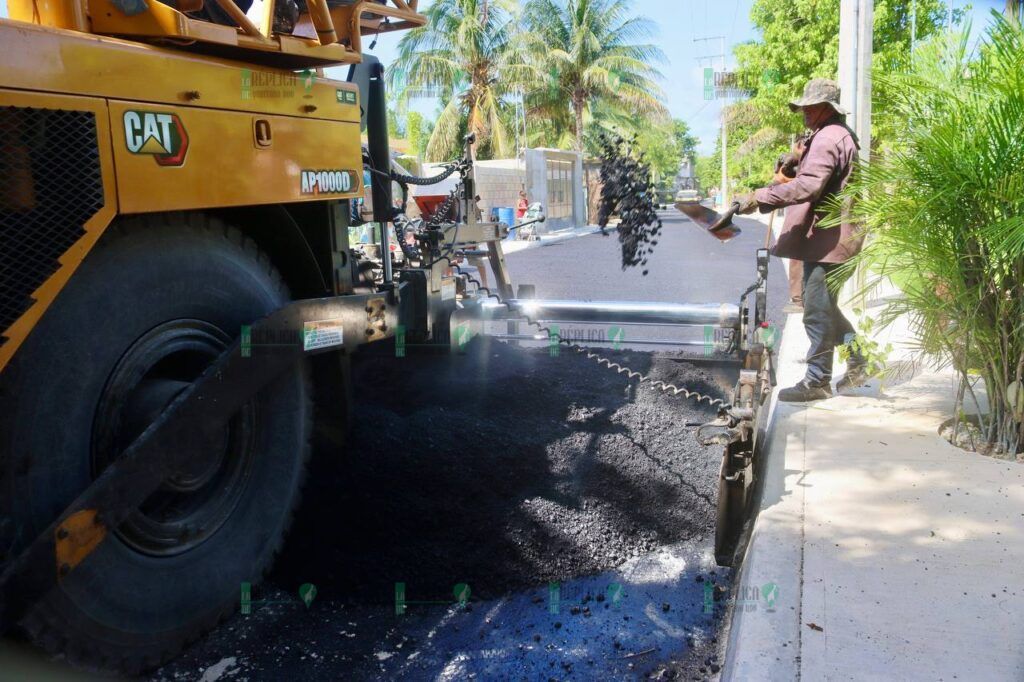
137, 602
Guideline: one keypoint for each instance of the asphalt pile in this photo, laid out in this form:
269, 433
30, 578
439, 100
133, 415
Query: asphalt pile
628, 191
504, 468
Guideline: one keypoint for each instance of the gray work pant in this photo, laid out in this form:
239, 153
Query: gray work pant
825, 323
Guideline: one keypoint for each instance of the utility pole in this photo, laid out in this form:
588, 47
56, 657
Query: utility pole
856, 27
725, 135
913, 25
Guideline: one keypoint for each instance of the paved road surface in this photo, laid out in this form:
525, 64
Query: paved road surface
687, 267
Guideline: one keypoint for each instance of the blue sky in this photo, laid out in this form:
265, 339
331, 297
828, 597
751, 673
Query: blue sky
679, 23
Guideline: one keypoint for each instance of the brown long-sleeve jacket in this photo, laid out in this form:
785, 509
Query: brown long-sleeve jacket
824, 170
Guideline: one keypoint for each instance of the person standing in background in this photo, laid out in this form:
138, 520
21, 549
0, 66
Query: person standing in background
523, 206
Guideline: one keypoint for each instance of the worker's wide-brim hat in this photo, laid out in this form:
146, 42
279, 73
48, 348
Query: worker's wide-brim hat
819, 91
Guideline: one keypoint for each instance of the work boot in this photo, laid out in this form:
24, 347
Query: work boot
855, 377
805, 392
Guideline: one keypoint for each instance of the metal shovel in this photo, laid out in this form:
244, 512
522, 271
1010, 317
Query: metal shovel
718, 226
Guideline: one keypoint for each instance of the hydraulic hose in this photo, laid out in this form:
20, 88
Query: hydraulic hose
414, 180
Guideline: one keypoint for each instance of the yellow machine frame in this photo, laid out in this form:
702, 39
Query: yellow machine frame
324, 35
189, 114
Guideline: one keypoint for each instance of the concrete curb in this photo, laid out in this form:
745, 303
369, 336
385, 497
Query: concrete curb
890, 553
766, 644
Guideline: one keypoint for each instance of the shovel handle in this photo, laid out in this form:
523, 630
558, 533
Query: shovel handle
726, 219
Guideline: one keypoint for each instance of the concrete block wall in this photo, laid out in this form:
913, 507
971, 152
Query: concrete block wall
498, 183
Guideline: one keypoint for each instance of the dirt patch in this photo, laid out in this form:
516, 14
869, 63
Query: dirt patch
967, 434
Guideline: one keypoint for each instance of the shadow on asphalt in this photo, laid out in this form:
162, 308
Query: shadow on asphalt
506, 470
500, 468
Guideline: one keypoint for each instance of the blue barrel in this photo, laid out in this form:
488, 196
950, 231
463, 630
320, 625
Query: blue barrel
507, 215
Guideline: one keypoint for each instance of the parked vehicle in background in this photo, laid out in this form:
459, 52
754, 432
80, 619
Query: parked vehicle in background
688, 196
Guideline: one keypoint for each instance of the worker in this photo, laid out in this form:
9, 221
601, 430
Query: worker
824, 170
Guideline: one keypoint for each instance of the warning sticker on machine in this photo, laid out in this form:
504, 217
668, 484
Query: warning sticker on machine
322, 334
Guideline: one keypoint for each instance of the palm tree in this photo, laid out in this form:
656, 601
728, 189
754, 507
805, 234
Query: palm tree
465, 54
588, 52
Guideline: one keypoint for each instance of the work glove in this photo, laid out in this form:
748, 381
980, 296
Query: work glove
785, 168
780, 178
746, 204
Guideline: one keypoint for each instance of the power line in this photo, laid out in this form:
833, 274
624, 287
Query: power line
732, 29
725, 141
700, 109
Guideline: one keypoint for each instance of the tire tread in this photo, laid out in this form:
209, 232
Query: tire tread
43, 625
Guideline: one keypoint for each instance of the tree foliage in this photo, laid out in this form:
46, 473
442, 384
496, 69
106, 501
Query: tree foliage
685, 140
800, 41
708, 168
580, 67
584, 51
470, 59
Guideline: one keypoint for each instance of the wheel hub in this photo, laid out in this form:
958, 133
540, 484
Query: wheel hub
195, 501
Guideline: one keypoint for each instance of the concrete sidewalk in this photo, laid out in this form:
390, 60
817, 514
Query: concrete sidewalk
881, 552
